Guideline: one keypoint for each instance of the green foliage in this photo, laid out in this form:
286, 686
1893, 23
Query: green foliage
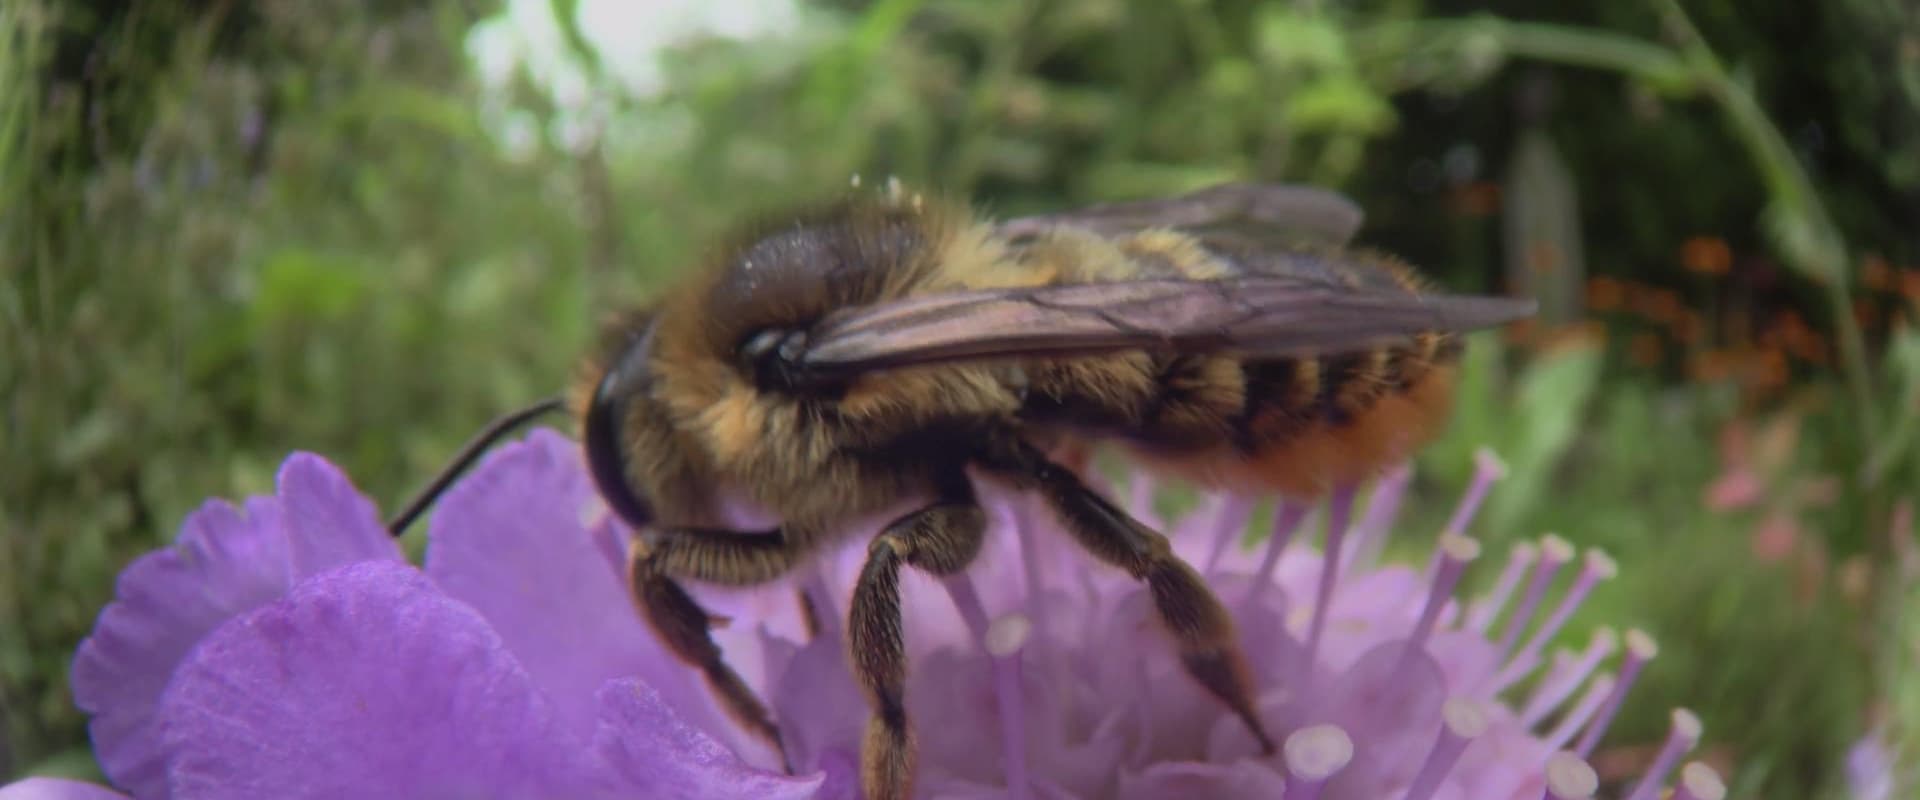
1783, 674
1531, 421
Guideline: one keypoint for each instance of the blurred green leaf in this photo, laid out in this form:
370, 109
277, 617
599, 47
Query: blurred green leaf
1291, 41
303, 285
1548, 410
1899, 451
1339, 103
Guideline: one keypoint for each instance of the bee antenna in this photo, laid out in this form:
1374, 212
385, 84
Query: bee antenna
495, 430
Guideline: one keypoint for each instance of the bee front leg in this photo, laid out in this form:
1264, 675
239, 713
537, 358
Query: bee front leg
719, 557
940, 539
1209, 645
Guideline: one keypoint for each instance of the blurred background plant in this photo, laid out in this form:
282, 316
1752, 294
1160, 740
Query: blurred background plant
235, 229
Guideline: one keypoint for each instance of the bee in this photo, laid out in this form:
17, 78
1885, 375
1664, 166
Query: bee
839, 362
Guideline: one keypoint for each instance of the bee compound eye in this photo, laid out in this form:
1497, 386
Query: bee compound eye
602, 435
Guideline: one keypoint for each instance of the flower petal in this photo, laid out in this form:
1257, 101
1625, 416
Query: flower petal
660, 755
841, 771
224, 564
819, 708
1389, 703
329, 523
509, 541
363, 682
950, 697
57, 789
1246, 779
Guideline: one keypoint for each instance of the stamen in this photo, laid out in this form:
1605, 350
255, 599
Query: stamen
1699, 782
1033, 563
1455, 552
1313, 755
1559, 685
1640, 650
1461, 721
1007, 635
1555, 552
1370, 534
1569, 777
1485, 611
1286, 521
1583, 710
967, 602
1681, 739
1599, 567
1488, 469
1003, 641
1030, 566
1339, 510
1229, 524
827, 614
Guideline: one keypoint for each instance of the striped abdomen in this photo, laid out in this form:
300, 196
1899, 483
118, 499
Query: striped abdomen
1298, 426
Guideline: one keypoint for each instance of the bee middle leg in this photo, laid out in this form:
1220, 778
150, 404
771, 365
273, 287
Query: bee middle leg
1209, 645
940, 539
684, 626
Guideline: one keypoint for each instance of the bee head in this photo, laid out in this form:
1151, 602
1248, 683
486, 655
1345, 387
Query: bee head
629, 374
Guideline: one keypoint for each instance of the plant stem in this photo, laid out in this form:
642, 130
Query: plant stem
1797, 222
1816, 247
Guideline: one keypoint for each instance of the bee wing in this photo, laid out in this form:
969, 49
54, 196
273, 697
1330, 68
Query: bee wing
1252, 215
1256, 314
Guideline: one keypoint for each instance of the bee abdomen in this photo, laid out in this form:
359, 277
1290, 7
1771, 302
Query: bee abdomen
1309, 424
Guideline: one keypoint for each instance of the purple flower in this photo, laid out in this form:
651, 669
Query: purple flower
286, 650
1872, 771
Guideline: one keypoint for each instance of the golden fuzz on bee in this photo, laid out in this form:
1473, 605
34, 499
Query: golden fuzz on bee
1295, 425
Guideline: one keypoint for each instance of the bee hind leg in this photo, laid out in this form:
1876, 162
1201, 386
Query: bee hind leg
685, 627
1209, 645
939, 539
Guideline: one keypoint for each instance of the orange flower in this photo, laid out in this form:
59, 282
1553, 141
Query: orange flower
1716, 365
1876, 273
1477, 199
1865, 313
1664, 306
1605, 294
1770, 369
1646, 350
1688, 326
1706, 255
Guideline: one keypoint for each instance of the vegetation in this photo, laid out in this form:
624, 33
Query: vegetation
231, 230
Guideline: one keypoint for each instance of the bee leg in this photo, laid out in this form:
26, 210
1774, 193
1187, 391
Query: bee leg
1209, 645
940, 539
680, 622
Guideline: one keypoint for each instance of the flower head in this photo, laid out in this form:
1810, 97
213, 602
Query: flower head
283, 648
286, 644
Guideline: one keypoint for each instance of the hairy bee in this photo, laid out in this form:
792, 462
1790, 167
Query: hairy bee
840, 362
